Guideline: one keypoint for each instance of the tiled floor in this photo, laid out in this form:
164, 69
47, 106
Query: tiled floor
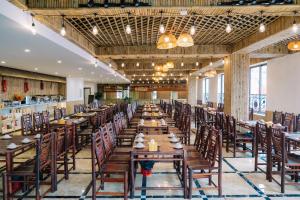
240, 181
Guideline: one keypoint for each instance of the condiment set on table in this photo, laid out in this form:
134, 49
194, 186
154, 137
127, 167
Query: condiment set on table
174, 139
13, 145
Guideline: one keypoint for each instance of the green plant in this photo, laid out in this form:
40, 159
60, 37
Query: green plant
98, 95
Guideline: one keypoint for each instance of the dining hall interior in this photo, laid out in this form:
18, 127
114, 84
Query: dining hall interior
150, 99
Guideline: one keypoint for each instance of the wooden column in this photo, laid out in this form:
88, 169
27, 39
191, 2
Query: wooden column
236, 83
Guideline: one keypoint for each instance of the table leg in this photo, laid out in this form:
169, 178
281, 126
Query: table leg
132, 168
184, 171
9, 167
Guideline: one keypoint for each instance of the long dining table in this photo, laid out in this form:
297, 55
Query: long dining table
158, 130
166, 152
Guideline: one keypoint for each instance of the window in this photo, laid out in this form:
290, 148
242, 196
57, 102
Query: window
205, 89
258, 88
119, 94
221, 88
154, 95
174, 95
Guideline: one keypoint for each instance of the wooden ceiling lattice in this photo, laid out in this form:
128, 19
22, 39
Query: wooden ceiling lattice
145, 29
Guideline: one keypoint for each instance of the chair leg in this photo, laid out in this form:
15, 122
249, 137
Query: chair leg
190, 183
126, 185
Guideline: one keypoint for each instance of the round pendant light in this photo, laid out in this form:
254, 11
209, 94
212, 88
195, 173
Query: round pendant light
166, 41
294, 45
185, 40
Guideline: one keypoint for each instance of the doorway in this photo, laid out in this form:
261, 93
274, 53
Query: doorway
86, 92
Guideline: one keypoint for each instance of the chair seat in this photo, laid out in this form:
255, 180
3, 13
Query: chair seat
122, 150
198, 164
85, 132
119, 158
108, 168
293, 160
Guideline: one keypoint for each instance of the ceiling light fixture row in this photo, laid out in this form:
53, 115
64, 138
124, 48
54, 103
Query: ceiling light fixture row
162, 28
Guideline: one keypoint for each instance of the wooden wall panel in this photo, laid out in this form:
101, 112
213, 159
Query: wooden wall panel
16, 86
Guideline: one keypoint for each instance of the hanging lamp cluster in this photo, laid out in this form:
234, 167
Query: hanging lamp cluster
168, 41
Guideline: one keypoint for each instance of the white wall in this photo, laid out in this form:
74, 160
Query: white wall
283, 78
200, 89
75, 89
192, 91
213, 89
91, 85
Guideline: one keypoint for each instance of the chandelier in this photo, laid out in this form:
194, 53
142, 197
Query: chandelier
166, 41
294, 46
185, 40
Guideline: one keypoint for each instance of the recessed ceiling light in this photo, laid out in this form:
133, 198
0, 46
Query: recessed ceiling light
59, 61
79, 68
36, 68
56, 73
27, 50
3, 62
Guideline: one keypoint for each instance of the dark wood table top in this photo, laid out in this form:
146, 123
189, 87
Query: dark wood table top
17, 139
152, 123
69, 121
88, 114
164, 146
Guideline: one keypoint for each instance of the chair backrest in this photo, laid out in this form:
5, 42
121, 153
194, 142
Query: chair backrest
60, 140
38, 122
289, 121
70, 134
297, 123
210, 104
199, 102
278, 143
220, 107
26, 125
97, 150
106, 137
63, 112
46, 150
277, 117
57, 114
262, 136
213, 147
205, 136
46, 120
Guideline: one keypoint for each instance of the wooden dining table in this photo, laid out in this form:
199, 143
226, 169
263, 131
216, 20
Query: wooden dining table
11, 154
165, 153
77, 122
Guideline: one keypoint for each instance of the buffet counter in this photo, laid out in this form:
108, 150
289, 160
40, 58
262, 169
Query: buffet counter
10, 116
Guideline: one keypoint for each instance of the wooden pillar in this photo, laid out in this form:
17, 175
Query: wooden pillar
236, 84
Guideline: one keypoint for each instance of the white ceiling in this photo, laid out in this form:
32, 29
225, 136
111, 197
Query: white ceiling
15, 37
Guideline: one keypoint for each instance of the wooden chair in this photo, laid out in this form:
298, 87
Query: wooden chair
31, 171
277, 117
220, 107
262, 147
288, 163
102, 169
71, 146
38, 122
289, 121
210, 104
27, 125
57, 114
237, 138
61, 151
63, 112
46, 121
205, 167
297, 123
